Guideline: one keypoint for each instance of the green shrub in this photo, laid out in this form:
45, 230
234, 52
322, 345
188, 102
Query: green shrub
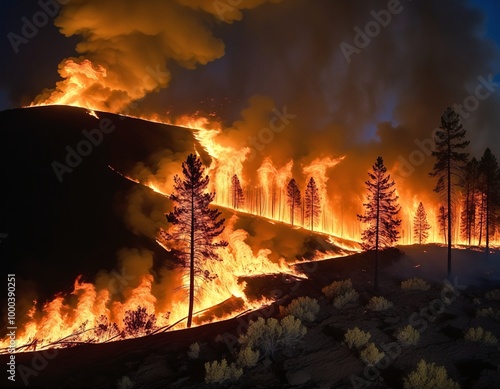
337, 288
371, 355
415, 284
407, 336
379, 304
270, 336
248, 357
218, 372
356, 338
348, 297
493, 295
480, 335
303, 308
194, 351
429, 376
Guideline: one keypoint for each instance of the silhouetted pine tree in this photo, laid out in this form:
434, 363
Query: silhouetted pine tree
449, 163
470, 200
195, 225
490, 186
380, 214
443, 221
238, 199
312, 203
293, 198
420, 225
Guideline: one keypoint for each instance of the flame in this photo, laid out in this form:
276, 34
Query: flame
62, 320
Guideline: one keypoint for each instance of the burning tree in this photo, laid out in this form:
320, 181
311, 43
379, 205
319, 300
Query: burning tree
490, 187
470, 200
293, 198
380, 214
420, 225
195, 225
449, 163
237, 197
443, 221
312, 203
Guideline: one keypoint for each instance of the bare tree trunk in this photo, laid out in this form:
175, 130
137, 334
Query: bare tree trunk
191, 264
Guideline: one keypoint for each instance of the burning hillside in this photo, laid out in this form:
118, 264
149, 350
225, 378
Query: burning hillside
189, 156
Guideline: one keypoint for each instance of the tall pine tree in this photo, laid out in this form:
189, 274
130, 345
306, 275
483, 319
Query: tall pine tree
293, 199
443, 221
312, 203
194, 225
420, 225
237, 197
381, 210
470, 201
449, 141
490, 187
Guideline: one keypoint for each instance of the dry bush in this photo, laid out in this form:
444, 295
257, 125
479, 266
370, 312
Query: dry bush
489, 313
371, 355
348, 297
219, 372
356, 338
303, 308
408, 336
479, 335
493, 295
379, 304
139, 322
194, 351
247, 357
124, 383
337, 288
415, 284
429, 376
271, 336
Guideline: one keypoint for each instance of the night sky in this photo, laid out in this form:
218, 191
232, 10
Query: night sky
289, 52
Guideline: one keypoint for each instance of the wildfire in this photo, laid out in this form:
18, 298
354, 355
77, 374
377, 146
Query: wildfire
99, 313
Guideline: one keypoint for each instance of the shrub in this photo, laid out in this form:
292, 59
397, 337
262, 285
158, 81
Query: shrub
138, 322
480, 335
415, 284
476, 301
124, 383
407, 336
356, 337
346, 298
218, 372
429, 376
379, 304
303, 308
371, 355
493, 295
247, 357
489, 313
270, 336
337, 288
194, 351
